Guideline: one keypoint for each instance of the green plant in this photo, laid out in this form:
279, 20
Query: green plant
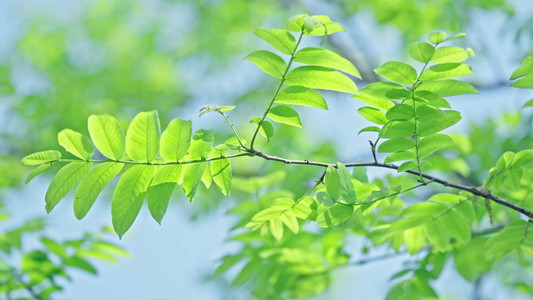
282, 258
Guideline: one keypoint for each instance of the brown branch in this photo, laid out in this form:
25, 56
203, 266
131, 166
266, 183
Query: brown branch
473, 190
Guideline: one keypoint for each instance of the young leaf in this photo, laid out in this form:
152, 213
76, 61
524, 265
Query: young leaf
325, 58
142, 138
207, 178
269, 62
38, 170
347, 188
398, 72
201, 144
76, 143
445, 88
437, 37
454, 37
446, 71
175, 140
221, 171
433, 124
218, 108
423, 52
160, 190
280, 39
92, 185
41, 158
129, 196
192, 178
449, 55
299, 95
333, 184
524, 83
373, 115
414, 239
369, 129
326, 26
285, 115
320, 78
266, 130
64, 181
107, 136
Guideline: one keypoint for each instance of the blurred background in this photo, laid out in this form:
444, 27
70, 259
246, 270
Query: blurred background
61, 61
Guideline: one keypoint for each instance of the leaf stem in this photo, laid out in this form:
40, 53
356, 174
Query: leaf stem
277, 91
234, 131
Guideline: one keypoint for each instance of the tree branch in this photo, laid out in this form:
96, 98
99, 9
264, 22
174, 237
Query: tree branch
473, 190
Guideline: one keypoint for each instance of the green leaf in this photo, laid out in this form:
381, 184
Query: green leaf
299, 95
333, 184
414, 239
373, 115
387, 90
201, 144
176, 140
401, 112
192, 178
285, 115
221, 171
80, 263
403, 155
247, 272
207, 179
529, 103
522, 158
434, 125
107, 136
397, 72
408, 165
54, 247
38, 170
325, 58
445, 88
92, 185
280, 39
369, 129
129, 196
347, 188
142, 138
290, 221
335, 215
432, 143
42, 157
449, 55
438, 237
446, 71
160, 190
397, 129
76, 143
396, 145
269, 62
218, 108
64, 181
266, 130
437, 37
525, 69
326, 26
457, 226
524, 83
303, 209
515, 236
454, 37
423, 52
320, 78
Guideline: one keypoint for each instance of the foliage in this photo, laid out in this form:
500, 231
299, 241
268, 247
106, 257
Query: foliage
286, 255
36, 273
